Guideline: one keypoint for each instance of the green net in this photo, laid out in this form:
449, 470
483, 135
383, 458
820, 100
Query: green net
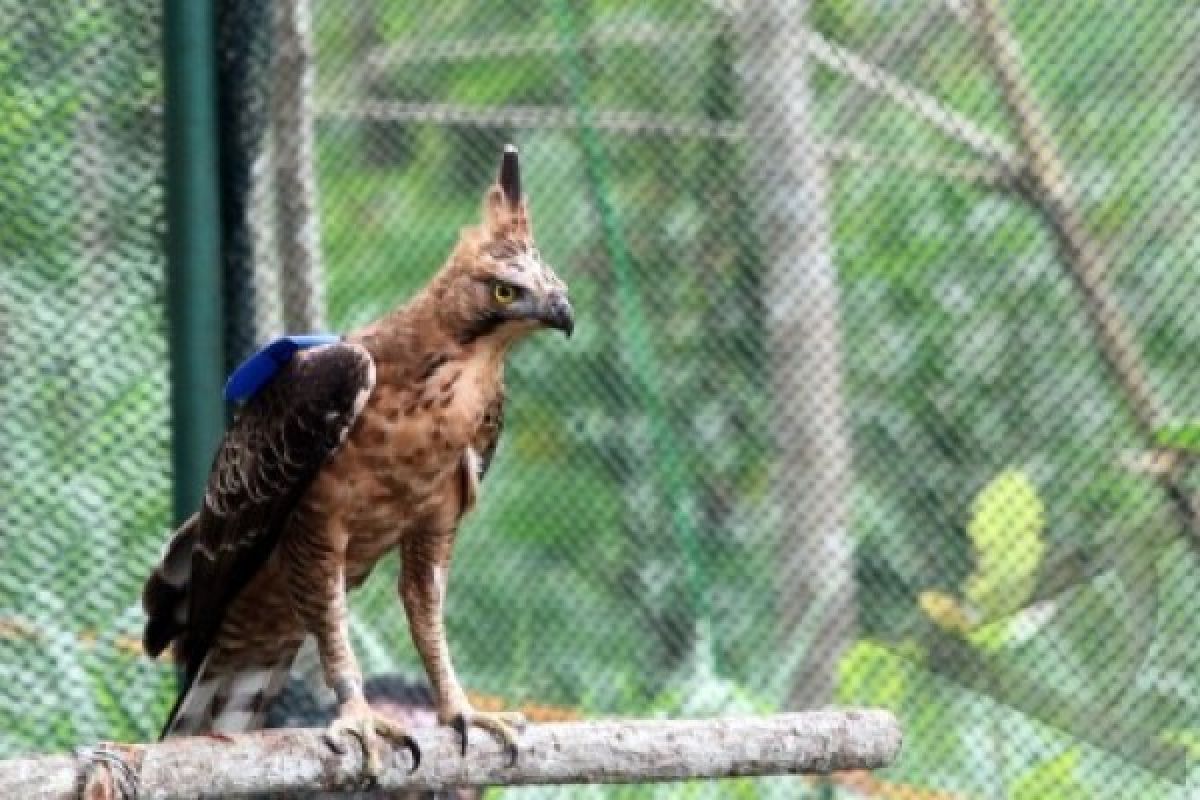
881, 393
84, 497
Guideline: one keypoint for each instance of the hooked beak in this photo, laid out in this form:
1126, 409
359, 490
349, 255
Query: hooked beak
558, 314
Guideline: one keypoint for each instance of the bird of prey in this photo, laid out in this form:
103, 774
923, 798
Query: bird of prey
370, 444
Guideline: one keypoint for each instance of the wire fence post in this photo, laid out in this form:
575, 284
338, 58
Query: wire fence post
193, 246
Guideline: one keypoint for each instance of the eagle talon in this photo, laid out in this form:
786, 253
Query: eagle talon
504, 725
459, 723
368, 727
333, 744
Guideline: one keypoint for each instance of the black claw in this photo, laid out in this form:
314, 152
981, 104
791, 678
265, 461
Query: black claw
415, 749
334, 745
363, 748
512, 754
460, 725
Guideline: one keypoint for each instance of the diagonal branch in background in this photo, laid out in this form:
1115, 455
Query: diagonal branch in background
898, 44
1047, 186
934, 112
841, 60
299, 762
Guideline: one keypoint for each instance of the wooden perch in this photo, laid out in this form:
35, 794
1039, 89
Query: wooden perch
299, 762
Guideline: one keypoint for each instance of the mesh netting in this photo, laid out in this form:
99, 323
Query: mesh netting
882, 390
84, 497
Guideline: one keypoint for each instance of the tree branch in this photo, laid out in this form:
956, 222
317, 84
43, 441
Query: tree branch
628, 751
933, 111
407, 52
841, 60
896, 45
1048, 186
1051, 192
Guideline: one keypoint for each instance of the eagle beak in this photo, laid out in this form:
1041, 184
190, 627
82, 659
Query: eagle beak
558, 314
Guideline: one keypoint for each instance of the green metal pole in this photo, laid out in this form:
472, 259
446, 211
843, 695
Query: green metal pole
193, 246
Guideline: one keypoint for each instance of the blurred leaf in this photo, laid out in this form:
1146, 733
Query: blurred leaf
1188, 739
946, 611
871, 674
1179, 436
1006, 530
1052, 780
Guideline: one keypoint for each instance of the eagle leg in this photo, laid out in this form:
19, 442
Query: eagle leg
424, 566
317, 585
368, 726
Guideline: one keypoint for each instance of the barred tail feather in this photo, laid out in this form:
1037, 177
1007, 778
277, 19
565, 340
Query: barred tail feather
228, 702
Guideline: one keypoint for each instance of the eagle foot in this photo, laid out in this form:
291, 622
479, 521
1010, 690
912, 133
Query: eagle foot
504, 725
106, 774
368, 727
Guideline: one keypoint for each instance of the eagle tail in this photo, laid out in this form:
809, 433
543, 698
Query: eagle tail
212, 701
228, 701
165, 596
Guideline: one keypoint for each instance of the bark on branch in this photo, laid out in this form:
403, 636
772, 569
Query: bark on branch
297, 763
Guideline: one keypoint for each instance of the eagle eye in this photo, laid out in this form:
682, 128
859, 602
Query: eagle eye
504, 293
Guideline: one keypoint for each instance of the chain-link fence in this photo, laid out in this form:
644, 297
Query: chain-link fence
881, 393
84, 464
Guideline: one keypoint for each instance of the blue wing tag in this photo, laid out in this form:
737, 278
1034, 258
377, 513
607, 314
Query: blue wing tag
257, 370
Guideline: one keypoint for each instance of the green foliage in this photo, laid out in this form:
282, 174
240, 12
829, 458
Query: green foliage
1006, 530
1052, 780
869, 674
1183, 436
83, 385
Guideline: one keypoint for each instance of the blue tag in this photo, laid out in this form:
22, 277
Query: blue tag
257, 370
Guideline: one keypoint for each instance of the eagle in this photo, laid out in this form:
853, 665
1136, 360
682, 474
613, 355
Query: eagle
367, 444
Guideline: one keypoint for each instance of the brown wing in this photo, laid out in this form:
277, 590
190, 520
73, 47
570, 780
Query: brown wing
265, 463
478, 458
489, 434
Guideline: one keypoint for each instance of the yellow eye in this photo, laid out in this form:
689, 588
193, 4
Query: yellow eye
504, 293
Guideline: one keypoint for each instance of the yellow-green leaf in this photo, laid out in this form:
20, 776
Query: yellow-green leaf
1051, 780
1006, 530
945, 611
871, 674
1179, 436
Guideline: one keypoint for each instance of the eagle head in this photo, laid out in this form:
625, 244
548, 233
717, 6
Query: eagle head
496, 284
